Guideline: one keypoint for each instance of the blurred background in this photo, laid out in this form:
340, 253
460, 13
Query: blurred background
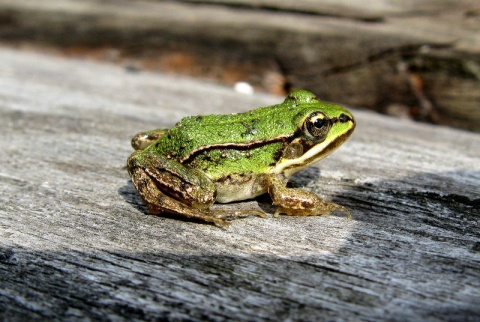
410, 59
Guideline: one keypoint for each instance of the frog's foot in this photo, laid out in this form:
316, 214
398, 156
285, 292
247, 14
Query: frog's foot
247, 213
222, 217
219, 217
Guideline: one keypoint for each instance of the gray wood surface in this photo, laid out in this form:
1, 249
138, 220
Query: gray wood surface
76, 243
417, 59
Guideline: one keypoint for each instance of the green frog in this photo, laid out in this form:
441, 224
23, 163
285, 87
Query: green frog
225, 158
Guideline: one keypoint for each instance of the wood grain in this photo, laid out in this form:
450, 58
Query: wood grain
76, 243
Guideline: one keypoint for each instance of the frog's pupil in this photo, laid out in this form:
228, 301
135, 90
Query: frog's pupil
319, 123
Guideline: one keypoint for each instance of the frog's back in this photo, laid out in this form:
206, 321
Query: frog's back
195, 133
265, 128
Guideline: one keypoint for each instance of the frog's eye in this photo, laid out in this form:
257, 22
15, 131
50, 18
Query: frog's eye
317, 125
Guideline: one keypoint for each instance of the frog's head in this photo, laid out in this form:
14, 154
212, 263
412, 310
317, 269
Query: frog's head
320, 129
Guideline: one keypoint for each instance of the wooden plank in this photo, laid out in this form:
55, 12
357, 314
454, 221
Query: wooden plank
397, 57
76, 242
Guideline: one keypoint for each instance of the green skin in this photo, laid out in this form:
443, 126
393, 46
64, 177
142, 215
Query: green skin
224, 158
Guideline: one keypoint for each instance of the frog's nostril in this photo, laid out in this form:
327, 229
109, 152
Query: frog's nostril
343, 118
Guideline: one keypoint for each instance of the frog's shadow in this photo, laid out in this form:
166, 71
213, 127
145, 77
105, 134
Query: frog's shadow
130, 195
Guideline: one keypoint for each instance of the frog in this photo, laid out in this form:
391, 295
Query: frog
205, 159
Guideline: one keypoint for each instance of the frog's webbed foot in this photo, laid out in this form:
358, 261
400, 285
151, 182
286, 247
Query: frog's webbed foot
219, 217
247, 213
223, 217
298, 202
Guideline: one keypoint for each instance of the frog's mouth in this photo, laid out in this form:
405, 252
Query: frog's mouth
313, 154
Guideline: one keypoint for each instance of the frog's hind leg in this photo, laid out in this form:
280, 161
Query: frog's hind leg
158, 202
168, 187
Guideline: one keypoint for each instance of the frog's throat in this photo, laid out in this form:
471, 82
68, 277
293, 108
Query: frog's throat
289, 166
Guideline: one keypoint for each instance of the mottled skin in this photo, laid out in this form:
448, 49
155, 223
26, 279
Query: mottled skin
223, 158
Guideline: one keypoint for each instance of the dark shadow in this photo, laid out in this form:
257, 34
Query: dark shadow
428, 200
131, 196
164, 286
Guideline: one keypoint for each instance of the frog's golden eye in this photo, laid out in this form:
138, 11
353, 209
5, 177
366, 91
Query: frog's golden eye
317, 125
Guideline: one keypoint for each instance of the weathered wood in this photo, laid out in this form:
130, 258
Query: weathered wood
409, 58
76, 243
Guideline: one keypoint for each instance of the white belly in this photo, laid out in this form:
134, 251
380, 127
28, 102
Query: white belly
240, 187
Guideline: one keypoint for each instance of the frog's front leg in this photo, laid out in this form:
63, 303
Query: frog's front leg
298, 202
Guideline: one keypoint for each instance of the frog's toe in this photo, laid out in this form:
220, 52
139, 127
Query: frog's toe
248, 213
278, 212
344, 210
220, 222
223, 218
